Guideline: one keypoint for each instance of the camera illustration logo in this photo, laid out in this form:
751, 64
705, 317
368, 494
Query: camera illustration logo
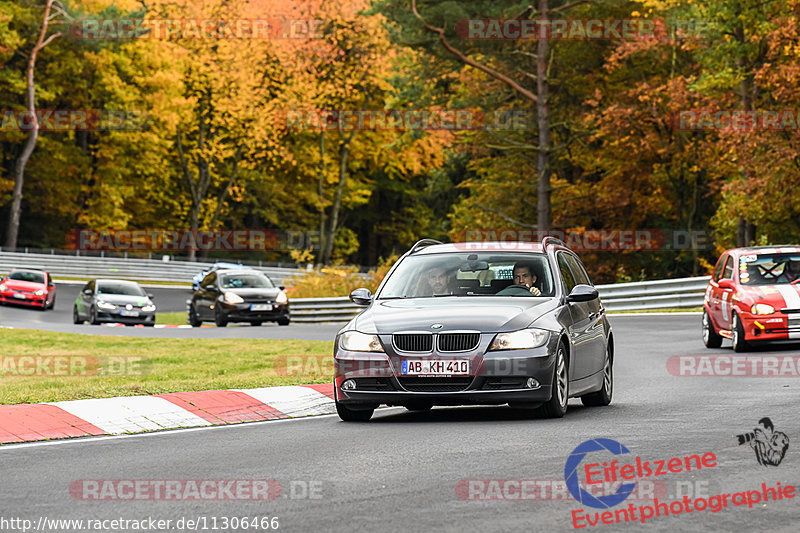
769, 445
573, 483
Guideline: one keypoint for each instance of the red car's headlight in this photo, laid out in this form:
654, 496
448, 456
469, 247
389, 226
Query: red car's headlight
762, 309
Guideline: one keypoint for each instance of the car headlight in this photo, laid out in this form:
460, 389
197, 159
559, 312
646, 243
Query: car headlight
105, 305
355, 341
517, 340
282, 298
762, 309
233, 298
3, 287
40, 292
148, 308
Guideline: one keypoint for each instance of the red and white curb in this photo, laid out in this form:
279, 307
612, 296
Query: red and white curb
137, 414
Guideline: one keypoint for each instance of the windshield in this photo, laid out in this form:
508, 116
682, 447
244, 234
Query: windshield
245, 281
769, 269
468, 274
22, 275
125, 289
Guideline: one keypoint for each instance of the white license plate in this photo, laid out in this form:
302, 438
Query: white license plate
20, 296
260, 307
417, 367
129, 313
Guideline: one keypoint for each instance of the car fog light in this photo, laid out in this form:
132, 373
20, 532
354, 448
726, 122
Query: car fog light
349, 384
532, 383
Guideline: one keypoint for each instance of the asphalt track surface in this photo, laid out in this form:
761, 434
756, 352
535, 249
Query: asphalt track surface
167, 300
399, 472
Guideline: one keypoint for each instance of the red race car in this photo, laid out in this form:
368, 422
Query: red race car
753, 297
28, 287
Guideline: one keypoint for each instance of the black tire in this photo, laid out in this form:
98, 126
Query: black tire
711, 338
149, 324
602, 397
219, 318
283, 321
737, 331
53, 303
194, 318
256, 323
556, 406
352, 415
93, 316
76, 318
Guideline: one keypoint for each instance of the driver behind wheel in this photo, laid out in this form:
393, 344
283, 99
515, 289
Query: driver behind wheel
791, 271
523, 275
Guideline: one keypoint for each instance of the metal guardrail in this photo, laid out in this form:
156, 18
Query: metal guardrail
662, 294
114, 267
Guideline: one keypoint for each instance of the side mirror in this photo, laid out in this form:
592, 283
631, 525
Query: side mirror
726, 284
87, 292
149, 295
583, 293
361, 297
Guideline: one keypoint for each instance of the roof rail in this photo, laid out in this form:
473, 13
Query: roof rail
548, 239
423, 242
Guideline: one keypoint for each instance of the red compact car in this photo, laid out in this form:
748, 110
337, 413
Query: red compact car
28, 287
753, 296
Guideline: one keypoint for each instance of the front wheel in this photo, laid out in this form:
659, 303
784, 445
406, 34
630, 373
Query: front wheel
556, 406
603, 396
710, 337
283, 321
52, 303
93, 316
737, 334
219, 318
76, 318
194, 319
352, 415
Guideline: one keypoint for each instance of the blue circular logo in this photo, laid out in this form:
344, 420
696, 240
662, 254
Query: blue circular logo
571, 474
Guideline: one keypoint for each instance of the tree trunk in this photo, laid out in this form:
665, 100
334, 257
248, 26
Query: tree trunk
344, 152
321, 199
12, 231
543, 110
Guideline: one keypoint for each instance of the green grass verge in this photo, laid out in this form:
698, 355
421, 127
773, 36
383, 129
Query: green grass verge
110, 275
173, 319
667, 310
126, 366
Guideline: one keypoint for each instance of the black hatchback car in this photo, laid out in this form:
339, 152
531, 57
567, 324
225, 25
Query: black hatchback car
477, 323
242, 295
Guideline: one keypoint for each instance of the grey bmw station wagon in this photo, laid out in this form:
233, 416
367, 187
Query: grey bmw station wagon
477, 323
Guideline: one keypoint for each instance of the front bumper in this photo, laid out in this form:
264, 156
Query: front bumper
775, 327
113, 316
243, 313
32, 300
495, 378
